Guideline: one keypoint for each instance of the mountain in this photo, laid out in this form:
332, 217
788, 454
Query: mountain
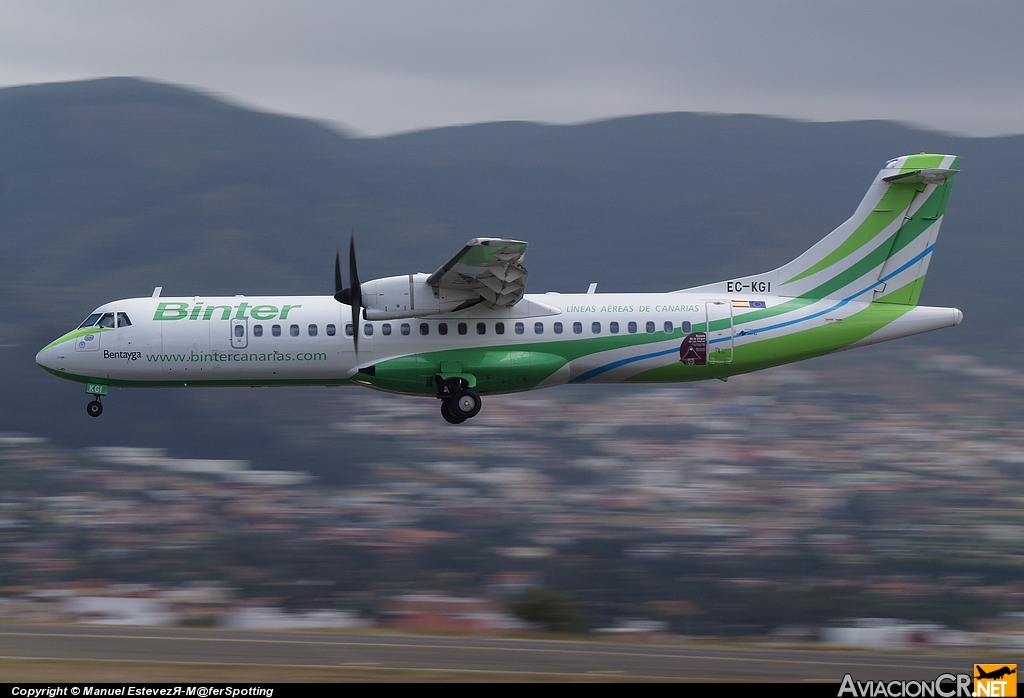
111, 187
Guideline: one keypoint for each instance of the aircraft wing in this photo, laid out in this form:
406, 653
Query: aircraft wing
490, 267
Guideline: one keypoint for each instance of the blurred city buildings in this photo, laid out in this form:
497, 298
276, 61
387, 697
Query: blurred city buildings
801, 504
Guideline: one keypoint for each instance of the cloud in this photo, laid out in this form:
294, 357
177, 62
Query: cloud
389, 66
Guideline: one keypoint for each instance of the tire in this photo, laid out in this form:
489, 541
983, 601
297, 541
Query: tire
94, 408
447, 413
465, 403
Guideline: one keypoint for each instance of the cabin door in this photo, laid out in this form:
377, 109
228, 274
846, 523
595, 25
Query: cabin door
720, 332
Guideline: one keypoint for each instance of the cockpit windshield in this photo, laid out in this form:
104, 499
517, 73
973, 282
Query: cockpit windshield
106, 320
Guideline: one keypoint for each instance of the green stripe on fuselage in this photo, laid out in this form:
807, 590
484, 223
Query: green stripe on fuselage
75, 334
776, 351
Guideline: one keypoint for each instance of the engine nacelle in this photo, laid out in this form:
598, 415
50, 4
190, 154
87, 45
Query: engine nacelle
410, 295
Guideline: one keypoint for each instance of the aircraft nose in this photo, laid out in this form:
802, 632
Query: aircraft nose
47, 358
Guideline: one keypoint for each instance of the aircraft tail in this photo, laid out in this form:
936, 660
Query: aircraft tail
886, 245
882, 252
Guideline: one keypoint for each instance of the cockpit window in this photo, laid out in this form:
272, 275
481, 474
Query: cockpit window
91, 320
107, 320
123, 321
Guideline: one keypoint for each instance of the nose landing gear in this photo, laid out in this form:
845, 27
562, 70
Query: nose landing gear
97, 390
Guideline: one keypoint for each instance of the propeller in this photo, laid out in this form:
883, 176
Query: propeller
353, 295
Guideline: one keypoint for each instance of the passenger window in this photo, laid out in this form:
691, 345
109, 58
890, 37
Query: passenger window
106, 321
331, 329
90, 321
538, 328
650, 327
442, 328
668, 327
348, 329
368, 329
239, 330
558, 328
405, 328
631, 327
577, 328
595, 327
686, 327
463, 328
424, 328
499, 328
123, 321
312, 330
293, 330
481, 328
385, 329
519, 328
257, 330
276, 330
613, 327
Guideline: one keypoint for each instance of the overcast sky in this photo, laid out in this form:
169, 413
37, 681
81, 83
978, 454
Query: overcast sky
383, 67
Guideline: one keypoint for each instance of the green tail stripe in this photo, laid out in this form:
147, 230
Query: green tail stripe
901, 291
868, 263
924, 161
873, 259
930, 212
915, 292
893, 204
905, 295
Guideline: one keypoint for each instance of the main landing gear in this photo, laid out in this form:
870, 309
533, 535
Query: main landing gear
459, 402
94, 408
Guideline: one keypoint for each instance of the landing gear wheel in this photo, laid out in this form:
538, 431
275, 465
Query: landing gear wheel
465, 403
94, 408
446, 412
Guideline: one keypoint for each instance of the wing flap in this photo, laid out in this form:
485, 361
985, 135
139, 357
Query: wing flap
491, 267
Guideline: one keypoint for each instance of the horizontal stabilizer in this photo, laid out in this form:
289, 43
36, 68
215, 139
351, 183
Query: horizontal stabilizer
930, 176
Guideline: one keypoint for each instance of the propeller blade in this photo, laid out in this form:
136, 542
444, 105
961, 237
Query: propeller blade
355, 291
338, 285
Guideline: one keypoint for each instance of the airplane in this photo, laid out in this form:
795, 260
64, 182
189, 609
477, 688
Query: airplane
995, 674
469, 329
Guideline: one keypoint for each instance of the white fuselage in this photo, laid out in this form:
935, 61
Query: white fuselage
306, 339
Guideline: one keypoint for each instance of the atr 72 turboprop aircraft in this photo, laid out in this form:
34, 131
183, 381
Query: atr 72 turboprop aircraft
469, 329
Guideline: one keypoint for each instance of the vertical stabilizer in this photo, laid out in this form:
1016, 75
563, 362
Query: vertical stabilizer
887, 243
882, 252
